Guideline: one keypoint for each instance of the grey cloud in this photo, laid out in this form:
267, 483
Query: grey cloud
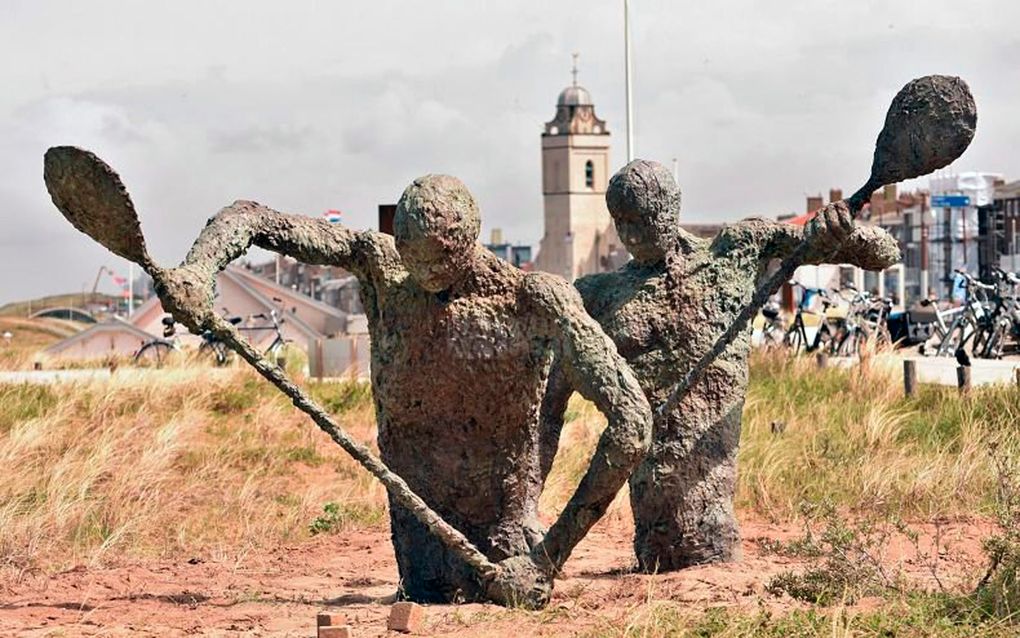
261, 139
343, 105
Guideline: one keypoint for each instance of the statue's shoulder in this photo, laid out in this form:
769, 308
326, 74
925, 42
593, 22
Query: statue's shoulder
550, 292
750, 231
379, 251
590, 285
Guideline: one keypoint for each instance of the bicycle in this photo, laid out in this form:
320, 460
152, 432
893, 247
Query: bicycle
220, 353
866, 320
971, 325
154, 352
1003, 320
773, 330
796, 335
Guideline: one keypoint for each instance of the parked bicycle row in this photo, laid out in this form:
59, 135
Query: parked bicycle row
985, 324
155, 352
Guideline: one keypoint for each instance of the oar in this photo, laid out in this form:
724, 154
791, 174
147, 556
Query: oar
930, 123
90, 194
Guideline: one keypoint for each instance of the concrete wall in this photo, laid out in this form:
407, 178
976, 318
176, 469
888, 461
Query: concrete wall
339, 357
101, 344
320, 317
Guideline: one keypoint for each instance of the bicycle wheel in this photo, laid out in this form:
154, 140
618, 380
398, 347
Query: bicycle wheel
153, 354
980, 340
772, 337
794, 340
213, 352
823, 339
953, 340
996, 341
849, 344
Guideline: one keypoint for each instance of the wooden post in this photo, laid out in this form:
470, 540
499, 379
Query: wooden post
822, 359
963, 378
909, 377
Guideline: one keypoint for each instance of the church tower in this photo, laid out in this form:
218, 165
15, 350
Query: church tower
579, 238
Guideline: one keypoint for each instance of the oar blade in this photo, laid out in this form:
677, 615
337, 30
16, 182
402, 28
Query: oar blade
91, 196
930, 123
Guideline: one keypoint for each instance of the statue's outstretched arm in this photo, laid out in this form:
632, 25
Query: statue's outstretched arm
232, 231
187, 290
835, 239
594, 368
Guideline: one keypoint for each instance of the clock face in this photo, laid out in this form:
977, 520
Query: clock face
584, 114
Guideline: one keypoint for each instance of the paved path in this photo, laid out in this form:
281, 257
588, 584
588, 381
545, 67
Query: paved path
53, 376
942, 370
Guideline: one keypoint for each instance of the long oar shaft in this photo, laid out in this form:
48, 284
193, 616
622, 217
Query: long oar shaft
758, 299
396, 486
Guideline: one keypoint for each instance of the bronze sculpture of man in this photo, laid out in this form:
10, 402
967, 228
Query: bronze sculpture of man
664, 310
462, 345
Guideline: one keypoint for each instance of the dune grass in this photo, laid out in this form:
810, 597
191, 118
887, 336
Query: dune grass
189, 460
199, 459
850, 437
193, 461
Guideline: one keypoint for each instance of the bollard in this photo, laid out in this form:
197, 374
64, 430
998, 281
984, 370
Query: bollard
909, 377
822, 359
963, 378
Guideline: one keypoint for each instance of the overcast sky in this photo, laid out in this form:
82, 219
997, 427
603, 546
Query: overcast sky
307, 106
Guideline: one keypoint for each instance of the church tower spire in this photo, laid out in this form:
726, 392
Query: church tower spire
579, 237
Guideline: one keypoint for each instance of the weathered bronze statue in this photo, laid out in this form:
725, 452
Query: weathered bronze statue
664, 309
679, 313
462, 344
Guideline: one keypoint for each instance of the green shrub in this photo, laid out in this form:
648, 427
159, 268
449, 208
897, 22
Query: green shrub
337, 517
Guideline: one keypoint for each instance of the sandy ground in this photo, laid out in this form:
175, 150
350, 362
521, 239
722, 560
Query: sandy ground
278, 593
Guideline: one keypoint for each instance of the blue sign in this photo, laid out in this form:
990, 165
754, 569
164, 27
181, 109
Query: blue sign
950, 201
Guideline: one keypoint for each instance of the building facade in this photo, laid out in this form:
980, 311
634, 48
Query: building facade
579, 237
1001, 224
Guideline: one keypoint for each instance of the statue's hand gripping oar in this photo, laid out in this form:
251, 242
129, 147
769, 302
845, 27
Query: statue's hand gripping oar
930, 123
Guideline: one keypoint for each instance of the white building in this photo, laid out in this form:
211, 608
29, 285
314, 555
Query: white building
954, 231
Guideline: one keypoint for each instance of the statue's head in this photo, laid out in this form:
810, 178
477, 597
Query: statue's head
644, 200
436, 228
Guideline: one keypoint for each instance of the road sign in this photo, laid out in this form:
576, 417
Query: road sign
950, 201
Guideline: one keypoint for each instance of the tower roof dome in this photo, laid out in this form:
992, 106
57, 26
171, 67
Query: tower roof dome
574, 96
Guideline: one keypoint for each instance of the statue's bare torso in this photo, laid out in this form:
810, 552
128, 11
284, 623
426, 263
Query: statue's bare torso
457, 400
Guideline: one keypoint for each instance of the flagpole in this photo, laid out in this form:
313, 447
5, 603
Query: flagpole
131, 289
628, 79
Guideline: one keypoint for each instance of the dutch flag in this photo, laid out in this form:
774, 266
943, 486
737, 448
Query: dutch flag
332, 216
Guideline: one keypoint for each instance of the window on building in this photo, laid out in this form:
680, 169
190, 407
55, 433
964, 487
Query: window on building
589, 174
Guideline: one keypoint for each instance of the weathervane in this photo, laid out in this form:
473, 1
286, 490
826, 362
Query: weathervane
573, 70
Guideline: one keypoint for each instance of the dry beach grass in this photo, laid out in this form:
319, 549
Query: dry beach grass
192, 462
